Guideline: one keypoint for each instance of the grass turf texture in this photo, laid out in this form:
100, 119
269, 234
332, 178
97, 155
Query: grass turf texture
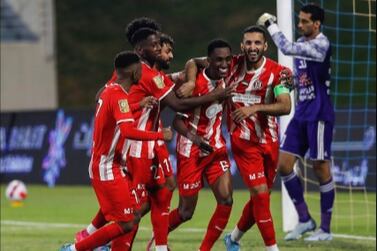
77, 204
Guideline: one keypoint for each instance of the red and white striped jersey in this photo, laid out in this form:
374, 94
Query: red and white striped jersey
254, 87
109, 146
204, 120
152, 83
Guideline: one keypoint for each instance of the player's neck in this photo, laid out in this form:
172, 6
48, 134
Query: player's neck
313, 35
253, 66
210, 74
125, 83
157, 67
150, 63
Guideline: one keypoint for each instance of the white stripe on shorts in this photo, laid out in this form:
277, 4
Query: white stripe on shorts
320, 140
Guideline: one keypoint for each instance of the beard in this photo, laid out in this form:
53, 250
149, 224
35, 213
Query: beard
163, 64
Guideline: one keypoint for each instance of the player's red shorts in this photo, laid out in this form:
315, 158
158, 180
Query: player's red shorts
162, 155
192, 170
145, 174
115, 199
256, 162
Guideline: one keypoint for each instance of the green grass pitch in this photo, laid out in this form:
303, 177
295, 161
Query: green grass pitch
51, 216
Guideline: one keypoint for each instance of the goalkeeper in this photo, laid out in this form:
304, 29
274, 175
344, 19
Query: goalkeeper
312, 125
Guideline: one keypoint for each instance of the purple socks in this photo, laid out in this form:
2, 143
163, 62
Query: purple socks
293, 184
327, 201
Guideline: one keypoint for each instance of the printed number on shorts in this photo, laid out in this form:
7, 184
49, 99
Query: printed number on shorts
166, 163
154, 170
224, 165
135, 195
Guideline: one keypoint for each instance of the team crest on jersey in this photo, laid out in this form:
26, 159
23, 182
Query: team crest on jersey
123, 106
257, 85
159, 82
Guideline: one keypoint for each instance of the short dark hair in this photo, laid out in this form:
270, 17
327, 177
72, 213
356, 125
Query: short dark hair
166, 39
141, 35
255, 28
217, 43
317, 13
124, 59
138, 23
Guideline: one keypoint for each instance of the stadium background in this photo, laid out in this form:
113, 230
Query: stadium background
55, 55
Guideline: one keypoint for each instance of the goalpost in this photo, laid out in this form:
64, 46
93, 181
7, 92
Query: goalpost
284, 15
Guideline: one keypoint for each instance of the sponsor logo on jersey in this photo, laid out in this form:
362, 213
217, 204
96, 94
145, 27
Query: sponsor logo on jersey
246, 98
213, 110
123, 106
256, 85
159, 82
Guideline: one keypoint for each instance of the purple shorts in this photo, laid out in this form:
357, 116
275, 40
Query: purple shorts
313, 135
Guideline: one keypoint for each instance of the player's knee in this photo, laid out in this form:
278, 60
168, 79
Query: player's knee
186, 214
284, 169
259, 190
227, 201
137, 218
170, 183
126, 226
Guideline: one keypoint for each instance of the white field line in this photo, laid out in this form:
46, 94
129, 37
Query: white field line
32, 224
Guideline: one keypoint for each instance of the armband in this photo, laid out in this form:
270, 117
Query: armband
280, 89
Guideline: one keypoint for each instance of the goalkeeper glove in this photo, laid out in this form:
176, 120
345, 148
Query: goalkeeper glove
266, 20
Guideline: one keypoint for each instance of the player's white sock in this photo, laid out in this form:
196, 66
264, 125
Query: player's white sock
236, 234
91, 228
272, 248
161, 248
72, 247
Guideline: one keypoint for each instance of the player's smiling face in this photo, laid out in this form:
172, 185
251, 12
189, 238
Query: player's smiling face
253, 46
219, 62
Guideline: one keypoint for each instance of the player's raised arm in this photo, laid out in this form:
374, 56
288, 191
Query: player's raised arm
314, 48
192, 68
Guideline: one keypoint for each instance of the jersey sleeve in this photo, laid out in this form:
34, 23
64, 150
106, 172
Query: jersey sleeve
120, 107
314, 49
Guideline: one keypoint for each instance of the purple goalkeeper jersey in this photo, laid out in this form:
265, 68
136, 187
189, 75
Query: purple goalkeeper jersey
312, 74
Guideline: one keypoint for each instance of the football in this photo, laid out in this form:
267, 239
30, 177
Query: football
16, 191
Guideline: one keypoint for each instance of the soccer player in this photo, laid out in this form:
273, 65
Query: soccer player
261, 95
114, 124
147, 45
312, 125
262, 92
201, 149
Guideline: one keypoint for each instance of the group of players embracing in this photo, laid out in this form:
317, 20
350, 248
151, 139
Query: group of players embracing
130, 168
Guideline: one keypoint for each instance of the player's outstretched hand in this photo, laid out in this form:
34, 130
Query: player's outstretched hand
168, 133
148, 102
224, 93
185, 90
266, 19
199, 141
243, 113
205, 147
